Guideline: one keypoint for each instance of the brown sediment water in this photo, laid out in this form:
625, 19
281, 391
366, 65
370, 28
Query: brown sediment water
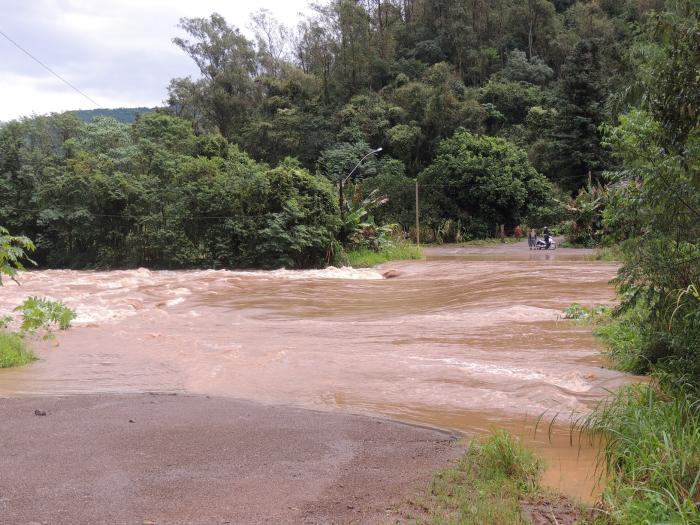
466, 339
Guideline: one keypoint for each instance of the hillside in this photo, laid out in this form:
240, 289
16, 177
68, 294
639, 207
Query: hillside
125, 115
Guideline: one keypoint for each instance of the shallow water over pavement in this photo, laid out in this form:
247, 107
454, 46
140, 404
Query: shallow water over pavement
466, 338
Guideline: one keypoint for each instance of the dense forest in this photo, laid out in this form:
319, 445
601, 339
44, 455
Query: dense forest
495, 108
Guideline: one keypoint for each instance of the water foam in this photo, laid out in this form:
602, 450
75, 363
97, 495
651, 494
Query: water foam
331, 272
571, 381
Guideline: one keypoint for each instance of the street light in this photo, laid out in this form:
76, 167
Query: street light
342, 181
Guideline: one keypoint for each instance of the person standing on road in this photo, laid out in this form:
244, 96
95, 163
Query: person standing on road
532, 238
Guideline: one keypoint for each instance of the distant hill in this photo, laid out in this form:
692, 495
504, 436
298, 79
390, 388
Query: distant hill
127, 115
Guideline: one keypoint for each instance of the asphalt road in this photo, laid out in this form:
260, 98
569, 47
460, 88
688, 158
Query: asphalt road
173, 459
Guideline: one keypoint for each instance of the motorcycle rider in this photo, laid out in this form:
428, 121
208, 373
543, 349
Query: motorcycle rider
547, 237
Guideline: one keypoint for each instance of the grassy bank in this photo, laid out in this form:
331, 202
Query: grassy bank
609, 254
492, 241
495, 482
13, 351
652, 456
365, 258
651, 430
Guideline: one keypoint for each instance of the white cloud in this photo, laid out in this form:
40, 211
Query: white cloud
39, 95
117, 51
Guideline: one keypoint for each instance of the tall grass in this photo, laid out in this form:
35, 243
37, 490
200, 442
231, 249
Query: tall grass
609, 254
625, 338
365, 258
652, 455
13, 351
485, 486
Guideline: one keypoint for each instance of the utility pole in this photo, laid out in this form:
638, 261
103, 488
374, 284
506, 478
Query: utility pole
417, 215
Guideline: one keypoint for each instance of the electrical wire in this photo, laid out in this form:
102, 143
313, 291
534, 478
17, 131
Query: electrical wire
48, 69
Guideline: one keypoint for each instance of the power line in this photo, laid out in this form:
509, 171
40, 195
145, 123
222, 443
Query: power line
49, 69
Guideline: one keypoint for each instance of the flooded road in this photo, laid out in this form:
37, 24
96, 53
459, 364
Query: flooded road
465, 339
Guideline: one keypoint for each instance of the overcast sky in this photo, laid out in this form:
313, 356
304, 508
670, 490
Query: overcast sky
119, 52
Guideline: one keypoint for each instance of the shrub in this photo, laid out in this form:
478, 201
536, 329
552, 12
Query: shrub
43, 314
585, 224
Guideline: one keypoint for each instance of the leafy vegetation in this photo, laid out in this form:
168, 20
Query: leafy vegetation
155, 194
652, 455
489, 484
37, 314
495, 108
585, 224
479, 182
652, 431
13, 253
656, 211
366, 257
42, 314
13, 350
609, 254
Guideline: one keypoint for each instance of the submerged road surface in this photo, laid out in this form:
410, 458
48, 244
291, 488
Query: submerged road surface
467, 338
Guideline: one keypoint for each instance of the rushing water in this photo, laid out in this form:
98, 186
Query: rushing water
465, 339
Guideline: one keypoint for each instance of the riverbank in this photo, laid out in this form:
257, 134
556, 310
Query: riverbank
366, 258
496, 481
174, 459
651, 431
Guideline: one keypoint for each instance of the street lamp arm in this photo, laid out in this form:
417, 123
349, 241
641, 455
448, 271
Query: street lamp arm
359, 163
341, 197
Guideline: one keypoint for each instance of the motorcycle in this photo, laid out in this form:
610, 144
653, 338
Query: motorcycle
541, 244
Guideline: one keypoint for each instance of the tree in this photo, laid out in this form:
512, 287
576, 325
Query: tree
391, 182
337, 161
575, 149
227, 61
656, 201
13, 253
519, 68
512, 99
480, 182
273, 41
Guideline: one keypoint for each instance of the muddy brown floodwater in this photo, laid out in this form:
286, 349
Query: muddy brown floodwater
466, 339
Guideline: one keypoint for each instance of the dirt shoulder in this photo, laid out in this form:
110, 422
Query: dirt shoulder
165, 459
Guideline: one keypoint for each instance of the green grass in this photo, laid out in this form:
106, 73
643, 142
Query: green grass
365, 258
625, 340
609, 254
491, 241
486, 485
652, 456
13, 351
651, 431
623, 334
